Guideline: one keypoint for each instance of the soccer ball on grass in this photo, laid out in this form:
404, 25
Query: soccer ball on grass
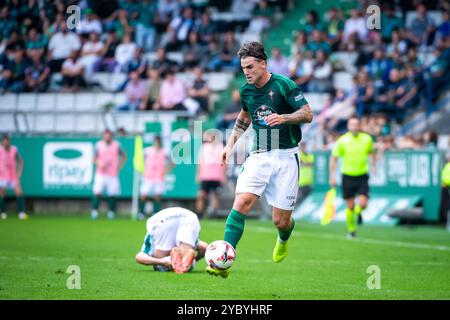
220, 255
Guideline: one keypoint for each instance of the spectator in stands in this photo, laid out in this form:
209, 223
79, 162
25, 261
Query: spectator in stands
409, 97
211, 174
397, 43
320, 78
421, 29
194, 53
135, 93
151, 99
364, 94
355, 24
278, 63
378, 69
173, 93
7, 23
13, 76
199, 90
145, 29
91, 53
386, 98
228, 119
296, 68
35, 41
260, 21
312, 22
430, 139
138, 63
299, 45
90, 24
334, 27
125, 52
443, 30
390, 22
61, 46
307, 68
107, 62
178, 30
227, 54
317, 43
206, 28
37, 75
73, 73
162, 63
436, 76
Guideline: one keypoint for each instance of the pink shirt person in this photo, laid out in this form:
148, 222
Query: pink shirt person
107, 156
210, 167
155, 164
172, 92
8, 166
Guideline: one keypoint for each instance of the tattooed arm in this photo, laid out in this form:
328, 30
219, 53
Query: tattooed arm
302, 115
242, 123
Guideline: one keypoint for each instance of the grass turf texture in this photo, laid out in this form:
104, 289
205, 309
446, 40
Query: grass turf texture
322, 264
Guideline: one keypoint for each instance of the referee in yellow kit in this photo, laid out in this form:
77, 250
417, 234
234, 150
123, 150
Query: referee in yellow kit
354, 147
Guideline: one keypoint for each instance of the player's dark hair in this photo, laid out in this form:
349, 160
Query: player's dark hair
354, 117
5, 136
252, 49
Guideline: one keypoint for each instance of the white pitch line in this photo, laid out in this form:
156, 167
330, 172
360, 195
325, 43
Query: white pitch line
363, 240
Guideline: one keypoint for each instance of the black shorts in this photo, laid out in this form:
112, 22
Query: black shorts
355, 185
208, 186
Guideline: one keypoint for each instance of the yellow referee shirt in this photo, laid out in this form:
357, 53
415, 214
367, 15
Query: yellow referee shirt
354, 151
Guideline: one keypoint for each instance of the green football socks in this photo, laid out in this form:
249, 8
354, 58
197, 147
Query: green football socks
234, 227
285, 234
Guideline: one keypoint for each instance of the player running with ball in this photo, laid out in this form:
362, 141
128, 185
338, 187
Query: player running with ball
275, 107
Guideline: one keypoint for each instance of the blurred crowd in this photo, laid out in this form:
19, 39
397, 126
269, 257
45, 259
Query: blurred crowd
39, 38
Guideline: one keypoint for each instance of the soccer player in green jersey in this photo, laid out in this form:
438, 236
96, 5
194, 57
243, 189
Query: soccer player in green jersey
354, 148
275, 107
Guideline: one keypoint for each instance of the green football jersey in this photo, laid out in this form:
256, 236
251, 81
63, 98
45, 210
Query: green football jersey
279, 95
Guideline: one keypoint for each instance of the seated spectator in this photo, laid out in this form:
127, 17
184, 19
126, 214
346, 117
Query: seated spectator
138, 63
73, 73
37, 75
296, 68
162, 63
317, 43
206, 28
90, 24
320, 78
91, 53
436, 77
390, 23
135, 93
107, 62
312, 22
334, 27
13, 75
173, 93
378, 69
420, 30
397, 43
7, 23
430, 139
195, 53
307, 70
199, 90
151, 100
36, 41
443, 30
277, 63
364, 94
409, 93
299, 45
230, 115
260, 21
125, 52
61, 46
227, 54
355, 24
178, 30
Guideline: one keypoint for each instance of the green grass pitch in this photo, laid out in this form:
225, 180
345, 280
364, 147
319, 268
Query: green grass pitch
35, 254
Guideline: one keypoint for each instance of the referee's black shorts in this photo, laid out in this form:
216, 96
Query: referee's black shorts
355, 185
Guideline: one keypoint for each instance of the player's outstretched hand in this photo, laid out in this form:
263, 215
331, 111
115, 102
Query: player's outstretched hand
275, 119
225, 154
